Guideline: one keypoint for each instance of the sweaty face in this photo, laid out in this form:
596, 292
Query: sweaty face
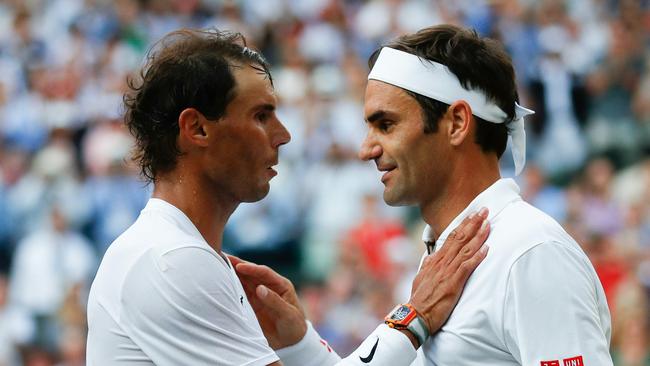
245, 141
412, 162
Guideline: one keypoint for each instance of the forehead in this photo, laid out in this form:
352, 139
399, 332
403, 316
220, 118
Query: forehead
252, 86
387, 97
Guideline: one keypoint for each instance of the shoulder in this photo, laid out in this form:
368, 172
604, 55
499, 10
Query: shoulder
153, 235
149, 260
520, 227
182, 272
555, 273
551, 257
553, 291
521, 216
527, 243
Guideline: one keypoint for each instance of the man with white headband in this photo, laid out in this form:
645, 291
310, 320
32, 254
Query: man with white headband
440, 105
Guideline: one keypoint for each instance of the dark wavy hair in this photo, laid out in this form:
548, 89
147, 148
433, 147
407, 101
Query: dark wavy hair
187, 68
479, 63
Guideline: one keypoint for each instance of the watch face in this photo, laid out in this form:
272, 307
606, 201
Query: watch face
400, 313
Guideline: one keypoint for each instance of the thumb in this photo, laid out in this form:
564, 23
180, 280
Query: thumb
273, 302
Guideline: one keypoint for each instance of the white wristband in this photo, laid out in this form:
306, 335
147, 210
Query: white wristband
383, 347
310, 351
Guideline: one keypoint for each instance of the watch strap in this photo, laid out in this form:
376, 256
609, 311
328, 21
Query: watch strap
419, 330
411, 322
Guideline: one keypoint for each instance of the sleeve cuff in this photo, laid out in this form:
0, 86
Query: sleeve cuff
383, 347
311, 350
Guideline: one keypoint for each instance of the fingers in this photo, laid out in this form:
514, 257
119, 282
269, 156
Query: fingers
471, 248
263, 274
436, 301
442, 277
251, 273
461, 235
282, 322
235, 260
273, 303
466, 268
466, 263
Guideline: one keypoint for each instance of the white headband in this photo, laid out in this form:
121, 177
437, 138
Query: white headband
436, 81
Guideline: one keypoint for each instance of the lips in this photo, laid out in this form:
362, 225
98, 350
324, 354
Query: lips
388, 169
272, 172
386, 176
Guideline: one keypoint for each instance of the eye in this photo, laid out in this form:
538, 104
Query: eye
384, 125
263, 116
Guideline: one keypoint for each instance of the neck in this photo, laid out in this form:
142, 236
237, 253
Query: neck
463, 185
207, 210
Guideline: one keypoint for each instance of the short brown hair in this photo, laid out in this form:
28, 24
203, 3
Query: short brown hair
186, 68
479, 63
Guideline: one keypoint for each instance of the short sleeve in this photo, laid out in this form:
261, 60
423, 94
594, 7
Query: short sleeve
554, 309
184, 308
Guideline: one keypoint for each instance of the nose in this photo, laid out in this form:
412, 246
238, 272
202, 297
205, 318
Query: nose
281, 135
370, 149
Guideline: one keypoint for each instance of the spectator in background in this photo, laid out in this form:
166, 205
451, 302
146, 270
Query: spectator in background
610, 265
49, 264
612, 123
336, 186
601, 214
371, 238
115, 194
72, 347
51, 178
16, 326
24, 125
543, 195
631, 340
558, 91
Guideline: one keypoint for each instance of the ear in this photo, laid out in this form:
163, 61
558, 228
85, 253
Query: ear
459, 114
192, 127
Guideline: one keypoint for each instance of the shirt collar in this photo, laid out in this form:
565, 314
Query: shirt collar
496, 197
174, 213
184, 223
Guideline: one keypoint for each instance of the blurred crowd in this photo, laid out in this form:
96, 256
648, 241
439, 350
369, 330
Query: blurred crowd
67, 187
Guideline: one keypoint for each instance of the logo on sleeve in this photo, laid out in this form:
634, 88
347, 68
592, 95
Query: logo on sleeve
372, 353
324, 343
573, 361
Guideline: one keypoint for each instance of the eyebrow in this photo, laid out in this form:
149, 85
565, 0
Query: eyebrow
266, 107
376, 116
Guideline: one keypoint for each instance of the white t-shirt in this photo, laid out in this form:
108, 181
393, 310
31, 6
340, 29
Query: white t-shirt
163, 296
534, 301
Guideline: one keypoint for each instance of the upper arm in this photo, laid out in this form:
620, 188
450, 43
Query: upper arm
183, 308
554, 308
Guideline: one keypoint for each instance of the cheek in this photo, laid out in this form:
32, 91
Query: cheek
254, 146
243, 144
420, 161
